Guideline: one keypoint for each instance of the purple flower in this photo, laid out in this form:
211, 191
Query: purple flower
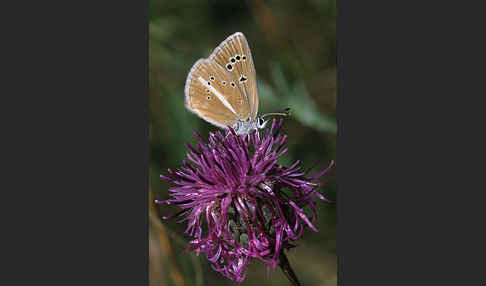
238, 201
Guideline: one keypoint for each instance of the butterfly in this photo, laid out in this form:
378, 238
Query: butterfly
222, 88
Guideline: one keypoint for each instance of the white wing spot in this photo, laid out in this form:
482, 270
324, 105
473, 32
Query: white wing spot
218, 95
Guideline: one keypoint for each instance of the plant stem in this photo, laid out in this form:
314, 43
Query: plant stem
287, 269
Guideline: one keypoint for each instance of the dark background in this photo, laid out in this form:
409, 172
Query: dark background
294, 49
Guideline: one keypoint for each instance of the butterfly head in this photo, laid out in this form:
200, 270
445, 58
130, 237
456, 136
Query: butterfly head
249, 125
260, 122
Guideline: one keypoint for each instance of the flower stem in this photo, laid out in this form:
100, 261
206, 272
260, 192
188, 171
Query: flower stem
287, 269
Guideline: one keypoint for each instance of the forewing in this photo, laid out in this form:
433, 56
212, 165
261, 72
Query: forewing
234, 55
213, 94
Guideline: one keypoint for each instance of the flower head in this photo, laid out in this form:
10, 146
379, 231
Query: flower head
238, 201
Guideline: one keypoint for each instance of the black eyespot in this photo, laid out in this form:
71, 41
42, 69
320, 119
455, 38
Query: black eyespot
242, 78
233, 60
229, 67
209, 97
233, 84
224, 83
211, 78
207, 90
209, 83
237, 58
244, 58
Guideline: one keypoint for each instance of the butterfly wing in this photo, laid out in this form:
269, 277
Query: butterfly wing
214, 95
234, 55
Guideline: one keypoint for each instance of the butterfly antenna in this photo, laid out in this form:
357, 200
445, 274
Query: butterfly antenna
285, 113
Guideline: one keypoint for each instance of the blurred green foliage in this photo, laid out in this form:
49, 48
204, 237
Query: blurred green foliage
294, 49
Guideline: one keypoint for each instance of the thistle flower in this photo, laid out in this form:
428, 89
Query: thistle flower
239, 203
